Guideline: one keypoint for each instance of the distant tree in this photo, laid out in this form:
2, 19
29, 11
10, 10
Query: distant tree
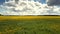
0, 14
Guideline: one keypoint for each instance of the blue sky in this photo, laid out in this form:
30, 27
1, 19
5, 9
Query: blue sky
1, 1
43, 1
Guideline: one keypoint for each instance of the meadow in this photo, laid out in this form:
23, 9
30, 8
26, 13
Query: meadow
29, 24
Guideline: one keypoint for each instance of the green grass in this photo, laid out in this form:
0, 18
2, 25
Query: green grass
36, 26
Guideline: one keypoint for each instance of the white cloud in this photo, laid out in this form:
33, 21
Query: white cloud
28, 8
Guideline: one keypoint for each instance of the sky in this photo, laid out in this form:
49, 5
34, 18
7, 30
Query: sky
1, 1
43, 1
53, 2
56, 10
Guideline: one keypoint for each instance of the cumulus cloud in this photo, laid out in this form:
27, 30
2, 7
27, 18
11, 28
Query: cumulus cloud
28, 8
53, 2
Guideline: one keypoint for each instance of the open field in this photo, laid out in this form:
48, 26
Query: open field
26, 17
29, 24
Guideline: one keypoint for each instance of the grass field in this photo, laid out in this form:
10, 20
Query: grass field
29, 24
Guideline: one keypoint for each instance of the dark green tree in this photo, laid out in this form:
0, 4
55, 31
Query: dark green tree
0, 14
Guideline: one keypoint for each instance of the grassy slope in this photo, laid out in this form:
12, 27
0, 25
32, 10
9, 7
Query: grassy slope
29, 24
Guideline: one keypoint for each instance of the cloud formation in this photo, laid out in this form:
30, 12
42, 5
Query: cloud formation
28, 8
53, 2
